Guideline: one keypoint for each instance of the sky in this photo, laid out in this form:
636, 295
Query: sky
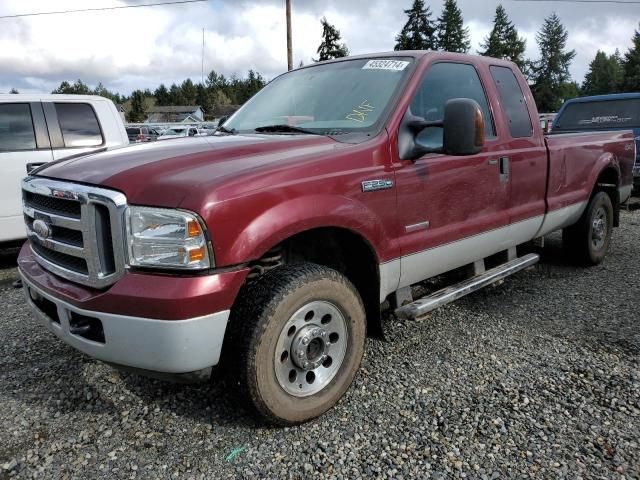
142, 47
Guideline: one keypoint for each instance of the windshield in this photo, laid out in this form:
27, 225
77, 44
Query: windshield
176, 131
342, 97
600, 115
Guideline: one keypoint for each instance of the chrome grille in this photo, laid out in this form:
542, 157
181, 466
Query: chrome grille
76, 231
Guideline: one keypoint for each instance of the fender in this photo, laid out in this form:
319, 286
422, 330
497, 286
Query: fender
606, 161
293, 216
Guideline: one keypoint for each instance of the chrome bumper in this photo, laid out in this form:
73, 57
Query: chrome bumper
168, 346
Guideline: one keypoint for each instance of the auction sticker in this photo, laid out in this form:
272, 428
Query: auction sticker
395, 65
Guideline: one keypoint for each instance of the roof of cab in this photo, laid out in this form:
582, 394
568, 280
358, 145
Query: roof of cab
418, 54
601, 98
48, 97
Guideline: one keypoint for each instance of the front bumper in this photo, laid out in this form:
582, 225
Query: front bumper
148, 322
169, 346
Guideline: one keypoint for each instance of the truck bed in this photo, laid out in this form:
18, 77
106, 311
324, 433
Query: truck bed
574, 163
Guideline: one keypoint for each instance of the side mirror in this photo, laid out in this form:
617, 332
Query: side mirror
409, 146
463, 127
461, 132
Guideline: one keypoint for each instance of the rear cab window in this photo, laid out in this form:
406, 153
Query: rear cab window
599, 115
79, 125
512, 102
16, 127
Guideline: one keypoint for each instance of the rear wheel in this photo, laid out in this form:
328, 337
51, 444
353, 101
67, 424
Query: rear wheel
299, 339
588, 240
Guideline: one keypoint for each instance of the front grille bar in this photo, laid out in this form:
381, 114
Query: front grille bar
53, 219
104, 257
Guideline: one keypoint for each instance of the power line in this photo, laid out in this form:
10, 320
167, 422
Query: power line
159, 4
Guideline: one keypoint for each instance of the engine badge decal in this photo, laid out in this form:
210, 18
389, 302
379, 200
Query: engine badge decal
373, 185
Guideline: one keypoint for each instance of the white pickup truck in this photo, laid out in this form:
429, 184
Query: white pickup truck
36, 129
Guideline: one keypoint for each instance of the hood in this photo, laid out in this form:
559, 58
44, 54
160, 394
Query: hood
163, 173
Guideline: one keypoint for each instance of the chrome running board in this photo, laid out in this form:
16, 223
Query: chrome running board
449, 294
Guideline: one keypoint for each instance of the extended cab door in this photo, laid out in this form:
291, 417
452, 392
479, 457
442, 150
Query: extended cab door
524, 147
452, 210
24, 144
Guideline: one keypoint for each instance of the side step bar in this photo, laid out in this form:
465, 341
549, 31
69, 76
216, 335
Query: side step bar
449, 294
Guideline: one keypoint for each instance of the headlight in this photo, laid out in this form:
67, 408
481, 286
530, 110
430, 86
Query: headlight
164, 238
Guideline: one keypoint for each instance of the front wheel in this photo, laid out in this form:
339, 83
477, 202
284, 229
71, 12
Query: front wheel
299, 334
588, 240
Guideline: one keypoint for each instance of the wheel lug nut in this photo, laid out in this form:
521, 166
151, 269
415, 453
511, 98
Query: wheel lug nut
305, 341
300, 353
305, 364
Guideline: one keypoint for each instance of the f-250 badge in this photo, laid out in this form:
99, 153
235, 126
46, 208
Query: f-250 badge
373, 185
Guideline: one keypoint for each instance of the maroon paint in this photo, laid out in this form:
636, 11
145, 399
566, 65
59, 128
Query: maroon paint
576, 161
142, 295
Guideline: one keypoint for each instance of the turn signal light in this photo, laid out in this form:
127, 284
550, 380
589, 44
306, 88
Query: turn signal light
193, 229
196, 254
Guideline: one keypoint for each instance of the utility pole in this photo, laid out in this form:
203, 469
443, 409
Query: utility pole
289, 51
202, 57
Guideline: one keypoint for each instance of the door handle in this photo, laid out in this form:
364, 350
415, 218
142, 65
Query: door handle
504, 169
32, 166
493, 161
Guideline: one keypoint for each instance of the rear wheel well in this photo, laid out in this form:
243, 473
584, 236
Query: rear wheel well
336, 248
608, 182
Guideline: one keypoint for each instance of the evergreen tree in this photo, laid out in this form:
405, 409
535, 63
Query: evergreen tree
631, 66
215, 81
418, 32
551, 72
604, 75
102, 91
450, 31
569, 90
14, 91
138, 107
189, 92
162, 95
76, 88
503, 41
330, 46
253, 84
175, 95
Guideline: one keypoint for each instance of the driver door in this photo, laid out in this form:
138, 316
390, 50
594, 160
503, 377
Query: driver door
452, 209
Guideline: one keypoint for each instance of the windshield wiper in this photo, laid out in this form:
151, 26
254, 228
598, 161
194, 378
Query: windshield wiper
223, 129
285, 128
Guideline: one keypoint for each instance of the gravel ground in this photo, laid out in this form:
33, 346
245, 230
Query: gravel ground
538, 377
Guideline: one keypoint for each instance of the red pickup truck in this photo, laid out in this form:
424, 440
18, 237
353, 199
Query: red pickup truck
270, 247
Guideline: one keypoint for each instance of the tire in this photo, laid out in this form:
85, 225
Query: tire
587, 241
291, 315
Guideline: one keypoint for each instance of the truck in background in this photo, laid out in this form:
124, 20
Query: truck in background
36, 129
620, 111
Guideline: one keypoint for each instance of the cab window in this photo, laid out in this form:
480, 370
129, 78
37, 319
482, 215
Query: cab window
79, 125
16, 127
445, 81
513, 102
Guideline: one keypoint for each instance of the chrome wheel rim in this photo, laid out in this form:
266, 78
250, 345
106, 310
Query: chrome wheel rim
599, 228
311, 348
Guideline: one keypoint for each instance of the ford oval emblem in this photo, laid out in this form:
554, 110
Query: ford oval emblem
41, 228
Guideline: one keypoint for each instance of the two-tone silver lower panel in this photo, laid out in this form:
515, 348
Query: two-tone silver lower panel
171, 346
